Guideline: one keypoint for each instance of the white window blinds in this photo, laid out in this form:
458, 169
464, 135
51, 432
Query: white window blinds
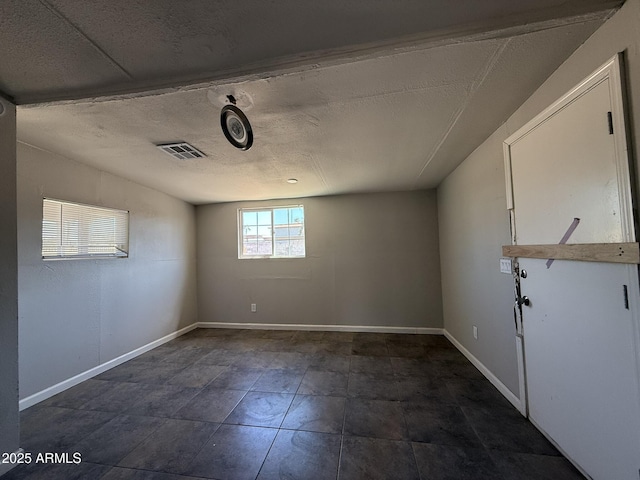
73, 230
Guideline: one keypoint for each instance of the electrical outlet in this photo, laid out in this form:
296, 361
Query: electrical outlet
475, 332
254, 307
506, 266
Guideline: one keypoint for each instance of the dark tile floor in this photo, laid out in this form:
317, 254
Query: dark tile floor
247, 404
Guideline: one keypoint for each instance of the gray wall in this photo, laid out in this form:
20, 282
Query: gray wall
473, 216
473, 227
9, 420
78, 314
372, 260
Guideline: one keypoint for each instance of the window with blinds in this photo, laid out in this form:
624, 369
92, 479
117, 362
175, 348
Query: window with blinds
73, 230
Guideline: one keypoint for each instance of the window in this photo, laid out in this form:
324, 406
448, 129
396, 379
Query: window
276, 232
73, 230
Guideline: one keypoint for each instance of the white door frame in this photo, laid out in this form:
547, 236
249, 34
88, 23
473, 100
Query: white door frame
611, 70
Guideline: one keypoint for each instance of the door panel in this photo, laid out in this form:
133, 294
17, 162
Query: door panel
566, 169
579, 333
580, 365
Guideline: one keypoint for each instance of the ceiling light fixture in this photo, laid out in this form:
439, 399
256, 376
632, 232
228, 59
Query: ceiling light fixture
292, 180
236, 126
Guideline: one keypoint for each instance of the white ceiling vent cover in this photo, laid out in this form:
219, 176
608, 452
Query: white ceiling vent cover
181, 150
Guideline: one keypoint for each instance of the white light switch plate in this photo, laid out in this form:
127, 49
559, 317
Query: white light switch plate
506, 266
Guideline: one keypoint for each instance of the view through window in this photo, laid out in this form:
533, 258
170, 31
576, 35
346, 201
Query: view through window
276, 232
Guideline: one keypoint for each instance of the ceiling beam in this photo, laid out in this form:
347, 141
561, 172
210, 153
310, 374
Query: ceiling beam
303, 62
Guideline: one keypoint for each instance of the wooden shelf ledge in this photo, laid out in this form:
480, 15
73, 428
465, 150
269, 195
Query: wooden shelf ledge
584, 252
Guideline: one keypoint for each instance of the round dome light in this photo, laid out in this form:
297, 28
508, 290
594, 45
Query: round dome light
236, 127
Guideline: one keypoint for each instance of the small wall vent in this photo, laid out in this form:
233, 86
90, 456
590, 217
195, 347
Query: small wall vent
181, 150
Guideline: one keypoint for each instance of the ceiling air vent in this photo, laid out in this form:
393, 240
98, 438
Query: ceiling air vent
181, 150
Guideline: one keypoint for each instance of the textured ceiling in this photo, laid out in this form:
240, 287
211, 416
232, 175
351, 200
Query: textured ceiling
358, 97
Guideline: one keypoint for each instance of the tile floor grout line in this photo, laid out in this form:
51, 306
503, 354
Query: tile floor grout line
275, 437
234, 407
415, 459
344, 419
292, 400
141, 441
457, 404
204, 444
340, 453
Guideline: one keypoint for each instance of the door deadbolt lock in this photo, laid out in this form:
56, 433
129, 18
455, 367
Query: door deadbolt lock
524, 301
523, 274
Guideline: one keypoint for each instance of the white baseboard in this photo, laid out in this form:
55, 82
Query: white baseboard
502, 388
6, 467
86, 375
71, 382
324, 328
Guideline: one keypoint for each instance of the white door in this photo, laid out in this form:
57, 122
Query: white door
569, 177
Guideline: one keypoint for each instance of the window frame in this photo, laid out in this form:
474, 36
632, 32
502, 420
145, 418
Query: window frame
273, 255
87, 255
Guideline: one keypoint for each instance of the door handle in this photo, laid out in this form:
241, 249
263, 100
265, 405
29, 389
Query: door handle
524, 301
